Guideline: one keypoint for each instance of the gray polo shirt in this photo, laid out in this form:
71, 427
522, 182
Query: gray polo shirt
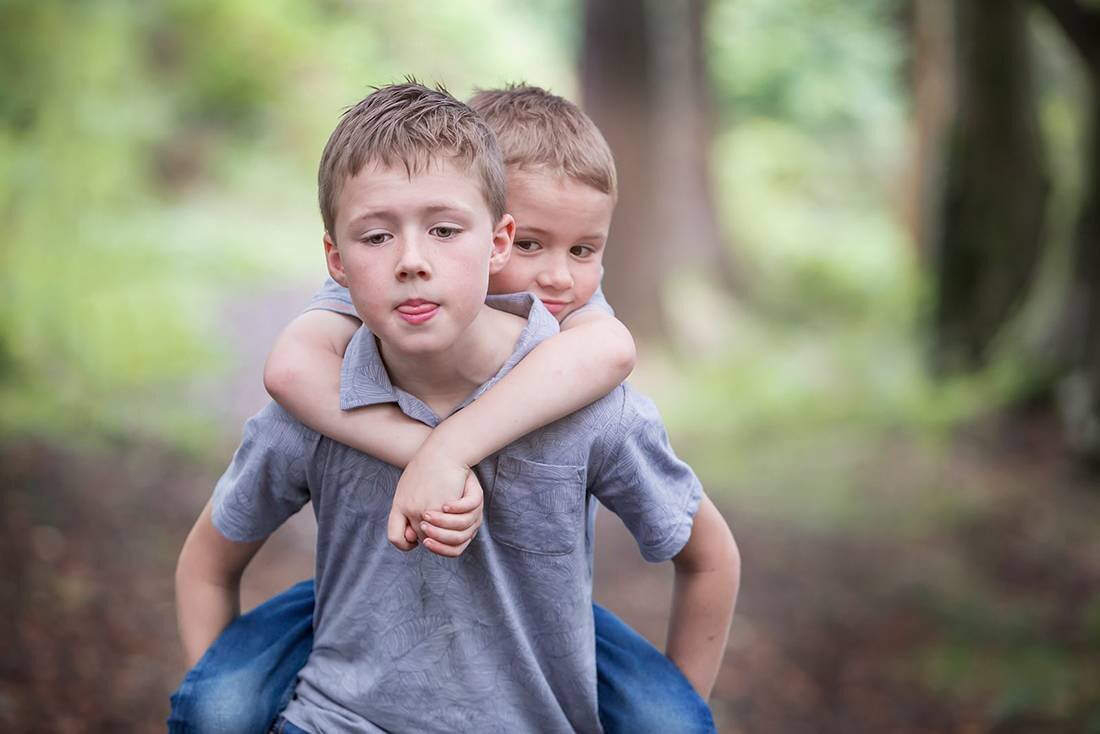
500, 639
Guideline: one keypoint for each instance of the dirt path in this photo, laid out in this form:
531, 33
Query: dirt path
833, 633
824, 637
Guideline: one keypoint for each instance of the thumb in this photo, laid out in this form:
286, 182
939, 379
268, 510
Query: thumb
396, 528
472, 489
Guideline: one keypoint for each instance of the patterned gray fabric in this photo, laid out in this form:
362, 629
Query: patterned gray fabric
500, 639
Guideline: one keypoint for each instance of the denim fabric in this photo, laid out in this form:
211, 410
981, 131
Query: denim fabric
249, 674
639, 689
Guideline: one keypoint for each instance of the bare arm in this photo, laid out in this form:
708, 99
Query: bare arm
592, 355
582, 364
302, 374
560, 376
708, 573
208, 581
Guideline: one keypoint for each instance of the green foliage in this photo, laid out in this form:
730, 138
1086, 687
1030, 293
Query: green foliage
823, 65
158, 160
1031, 680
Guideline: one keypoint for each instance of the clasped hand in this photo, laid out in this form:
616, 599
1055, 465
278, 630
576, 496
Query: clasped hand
438, 502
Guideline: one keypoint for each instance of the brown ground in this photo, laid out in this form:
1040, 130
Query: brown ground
826, 634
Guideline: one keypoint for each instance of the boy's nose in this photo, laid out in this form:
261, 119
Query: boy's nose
411, 263
557, 277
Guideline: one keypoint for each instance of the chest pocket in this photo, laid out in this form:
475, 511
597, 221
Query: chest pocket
537, 508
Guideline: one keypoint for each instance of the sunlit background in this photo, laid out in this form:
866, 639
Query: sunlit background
918, 529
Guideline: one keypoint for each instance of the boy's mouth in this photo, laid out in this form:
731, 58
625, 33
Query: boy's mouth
417, 310
554, 307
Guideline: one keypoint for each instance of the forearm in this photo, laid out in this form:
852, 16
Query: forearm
382, 431
708, 574
203, 611
303, 376
560, 376
208, 577
699, 627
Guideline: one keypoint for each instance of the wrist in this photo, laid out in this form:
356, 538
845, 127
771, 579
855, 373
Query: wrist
452, 446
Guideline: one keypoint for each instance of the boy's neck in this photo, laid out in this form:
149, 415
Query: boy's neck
442, 380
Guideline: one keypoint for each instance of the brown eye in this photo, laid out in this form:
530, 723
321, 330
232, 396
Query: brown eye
444, 233
527, 245
377, 238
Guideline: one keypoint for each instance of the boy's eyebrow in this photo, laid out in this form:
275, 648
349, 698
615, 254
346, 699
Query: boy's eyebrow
428, 208
595, 236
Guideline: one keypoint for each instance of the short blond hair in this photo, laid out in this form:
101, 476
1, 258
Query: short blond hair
537, 129
414, 125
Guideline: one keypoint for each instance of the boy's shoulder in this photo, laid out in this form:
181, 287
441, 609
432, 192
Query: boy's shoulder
273, 429
595, 433
636, 423
624, 411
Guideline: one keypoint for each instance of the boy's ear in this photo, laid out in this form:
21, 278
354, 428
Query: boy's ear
335, 264
503, 234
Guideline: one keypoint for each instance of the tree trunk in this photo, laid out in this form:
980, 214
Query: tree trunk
995, 188
646, 87
1081, 328
932, 78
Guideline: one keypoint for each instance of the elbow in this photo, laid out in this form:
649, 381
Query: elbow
711, 549
624, 355
280, 377
187, 573
733, 564
202, 560
726, 555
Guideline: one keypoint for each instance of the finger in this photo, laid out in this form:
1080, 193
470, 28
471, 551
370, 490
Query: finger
472, 497
463, 504
445, 550
395, 531
447, 537
410, 534
449, 521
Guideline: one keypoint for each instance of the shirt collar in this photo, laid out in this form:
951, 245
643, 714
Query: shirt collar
364, 380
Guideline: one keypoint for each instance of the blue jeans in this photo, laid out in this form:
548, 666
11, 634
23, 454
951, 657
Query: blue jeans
248, 675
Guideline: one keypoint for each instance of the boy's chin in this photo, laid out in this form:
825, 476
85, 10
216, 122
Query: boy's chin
422, 344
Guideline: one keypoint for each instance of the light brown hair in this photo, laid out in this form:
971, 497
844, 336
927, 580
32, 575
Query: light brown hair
535, 128
414, 125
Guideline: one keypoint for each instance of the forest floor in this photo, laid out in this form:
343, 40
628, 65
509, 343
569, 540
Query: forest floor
988, 623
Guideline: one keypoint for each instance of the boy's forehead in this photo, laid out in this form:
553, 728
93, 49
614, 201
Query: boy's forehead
557, 200
434, 185
542, 178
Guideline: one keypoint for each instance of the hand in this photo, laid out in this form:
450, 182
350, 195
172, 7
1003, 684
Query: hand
430, 481
449, 532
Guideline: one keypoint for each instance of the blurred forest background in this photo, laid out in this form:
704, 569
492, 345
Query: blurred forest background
858, 241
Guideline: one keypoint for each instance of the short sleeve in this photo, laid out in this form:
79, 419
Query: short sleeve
332, 297
267, 481
596, 303
653, 492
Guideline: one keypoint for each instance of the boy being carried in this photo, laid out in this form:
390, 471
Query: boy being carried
536, 548
561, 190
